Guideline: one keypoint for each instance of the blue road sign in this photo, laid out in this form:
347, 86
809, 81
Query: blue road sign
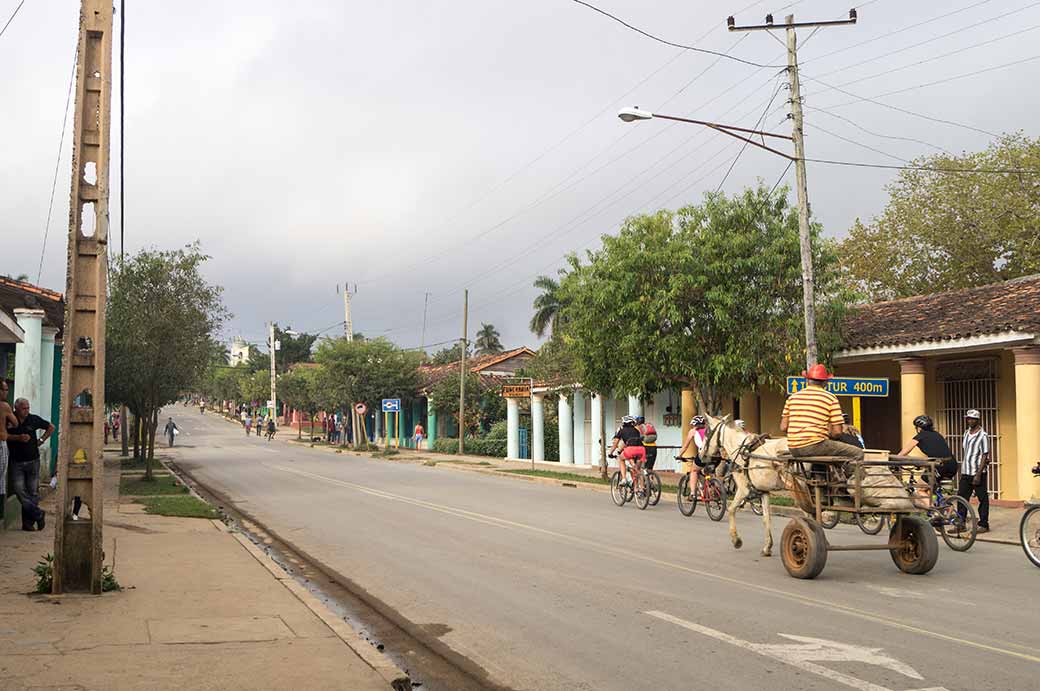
391, 405
875, 387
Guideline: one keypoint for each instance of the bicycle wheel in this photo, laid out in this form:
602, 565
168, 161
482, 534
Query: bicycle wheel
756, 505
958, 537
618, 493
715, 502
871, 523
687, 500
1029, 534
655, 487
641, 487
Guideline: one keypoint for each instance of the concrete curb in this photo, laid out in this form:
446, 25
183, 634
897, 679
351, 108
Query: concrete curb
382, 664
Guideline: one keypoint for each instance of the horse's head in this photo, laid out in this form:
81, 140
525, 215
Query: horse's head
722, 438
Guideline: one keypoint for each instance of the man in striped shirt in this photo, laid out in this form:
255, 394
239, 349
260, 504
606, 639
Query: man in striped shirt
974, 461
812, 419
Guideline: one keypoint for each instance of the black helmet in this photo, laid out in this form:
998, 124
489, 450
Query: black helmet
924, 422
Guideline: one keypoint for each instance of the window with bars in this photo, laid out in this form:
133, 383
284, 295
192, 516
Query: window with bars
967, 384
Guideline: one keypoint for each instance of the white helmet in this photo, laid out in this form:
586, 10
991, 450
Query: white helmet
739, 423
974, 414
628, 420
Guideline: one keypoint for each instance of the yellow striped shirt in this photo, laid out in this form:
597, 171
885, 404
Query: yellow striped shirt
810, 413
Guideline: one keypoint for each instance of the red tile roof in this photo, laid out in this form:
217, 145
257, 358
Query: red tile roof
433, 374
18, 294
991, 309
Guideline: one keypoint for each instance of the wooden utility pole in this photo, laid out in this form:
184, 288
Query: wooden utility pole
462, 371
798, 135
78, 553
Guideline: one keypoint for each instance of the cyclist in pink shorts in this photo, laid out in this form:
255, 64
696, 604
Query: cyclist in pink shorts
630, 441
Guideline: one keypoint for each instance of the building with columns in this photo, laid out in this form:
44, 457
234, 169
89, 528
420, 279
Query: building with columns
30, 359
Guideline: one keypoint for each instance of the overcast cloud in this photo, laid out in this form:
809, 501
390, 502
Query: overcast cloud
390, 144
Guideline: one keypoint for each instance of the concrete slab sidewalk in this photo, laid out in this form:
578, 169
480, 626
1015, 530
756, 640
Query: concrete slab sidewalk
200, 610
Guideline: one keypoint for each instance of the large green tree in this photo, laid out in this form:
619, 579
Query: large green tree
948, 230
708, 297
294, 348
162, 321
448, 355
548, 307
487, 341
365, 372
302, 389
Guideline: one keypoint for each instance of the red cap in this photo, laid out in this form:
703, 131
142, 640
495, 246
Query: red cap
818, 373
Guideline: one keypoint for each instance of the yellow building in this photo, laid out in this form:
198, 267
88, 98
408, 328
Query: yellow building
942, 355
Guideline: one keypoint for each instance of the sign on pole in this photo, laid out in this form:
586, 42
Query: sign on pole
516, 390
361, 408
391, 405
874, 387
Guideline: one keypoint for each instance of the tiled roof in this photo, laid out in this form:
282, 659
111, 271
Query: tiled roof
433, 374
18, 294
996, 308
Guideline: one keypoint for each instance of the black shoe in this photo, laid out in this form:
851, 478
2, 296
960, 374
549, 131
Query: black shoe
28, 526
42, 520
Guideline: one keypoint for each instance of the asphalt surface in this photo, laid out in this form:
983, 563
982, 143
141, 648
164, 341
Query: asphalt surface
548, 587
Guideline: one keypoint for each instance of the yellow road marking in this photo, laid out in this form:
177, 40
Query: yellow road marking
616, 551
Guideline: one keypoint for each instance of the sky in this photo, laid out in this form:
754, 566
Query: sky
413, 148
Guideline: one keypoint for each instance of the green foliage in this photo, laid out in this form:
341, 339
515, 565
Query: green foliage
484, 403
44, 571
498, 430
108, 580
255, 386
480, 446
548, 307
293, 348
487, 340
446, 445
944, 231
556, 361
302, 389
708, 297
183, 506
138, 486
365, 371
446, 356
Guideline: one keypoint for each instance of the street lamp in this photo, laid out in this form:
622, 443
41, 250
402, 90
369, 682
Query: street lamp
635, 114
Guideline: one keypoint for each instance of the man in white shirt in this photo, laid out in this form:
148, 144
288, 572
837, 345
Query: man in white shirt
975, 457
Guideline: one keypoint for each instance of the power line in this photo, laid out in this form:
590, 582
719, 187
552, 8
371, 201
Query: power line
11, 18
748, 140
859, 144
932, 169
855, 124
57, 161
956, 77
664, 41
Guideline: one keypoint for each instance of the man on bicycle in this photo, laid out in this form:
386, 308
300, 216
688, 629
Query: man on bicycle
697, 437
630, 442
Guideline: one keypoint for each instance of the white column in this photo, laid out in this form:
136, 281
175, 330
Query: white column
566, 435
635, 406
537, 427
27, 357
579, 427
512, 428
46, 385
597, 429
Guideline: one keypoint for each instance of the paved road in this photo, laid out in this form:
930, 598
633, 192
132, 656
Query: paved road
555, 588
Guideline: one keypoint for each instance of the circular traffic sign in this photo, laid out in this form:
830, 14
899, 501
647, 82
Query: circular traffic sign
361, 408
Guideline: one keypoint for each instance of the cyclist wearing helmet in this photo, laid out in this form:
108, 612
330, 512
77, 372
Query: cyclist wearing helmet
630, 441
697, 436
931, 444
649, 433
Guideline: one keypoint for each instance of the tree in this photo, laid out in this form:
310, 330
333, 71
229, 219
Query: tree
256, 387
943, 231
301, 388
720, 310
445, 397
448, 355
293, 348
162, 321
547, 307
487, 341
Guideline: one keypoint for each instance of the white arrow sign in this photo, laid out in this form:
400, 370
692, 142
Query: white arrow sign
808, 651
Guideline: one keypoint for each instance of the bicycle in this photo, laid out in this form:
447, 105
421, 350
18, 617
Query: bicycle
644, 487
1029, 529
753, 499
710, 490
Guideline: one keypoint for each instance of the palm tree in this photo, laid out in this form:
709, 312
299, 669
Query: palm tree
487, 340
547, 307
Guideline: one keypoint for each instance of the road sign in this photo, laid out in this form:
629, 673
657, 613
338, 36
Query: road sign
270, 403
361, 408
516, 390
391, 405
873, 387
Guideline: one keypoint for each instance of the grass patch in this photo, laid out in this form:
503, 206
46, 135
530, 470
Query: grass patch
183, 506
454, 462
138, 464
137, 486
568, 477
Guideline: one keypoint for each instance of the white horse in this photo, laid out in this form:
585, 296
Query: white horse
752, 473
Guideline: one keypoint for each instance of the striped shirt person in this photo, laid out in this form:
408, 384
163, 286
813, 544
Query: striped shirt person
975, 457
812, 420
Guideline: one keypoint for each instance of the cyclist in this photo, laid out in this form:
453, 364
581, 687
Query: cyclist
933, 445
649, 433
697, 437
630, 442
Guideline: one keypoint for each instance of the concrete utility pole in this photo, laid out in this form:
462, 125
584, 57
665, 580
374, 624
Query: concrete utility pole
798, 134
78, 554
348, 325
272, 345
422, 339
462, 370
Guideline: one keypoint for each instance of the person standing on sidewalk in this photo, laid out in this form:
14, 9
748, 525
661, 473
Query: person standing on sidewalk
419, 434
7, 419
974, 462
24, 448
249, 424
270, 428
170, 430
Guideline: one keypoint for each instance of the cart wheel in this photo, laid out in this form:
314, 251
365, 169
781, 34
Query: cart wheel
870, 523
829, 519
687, 500
917, 548
803, 549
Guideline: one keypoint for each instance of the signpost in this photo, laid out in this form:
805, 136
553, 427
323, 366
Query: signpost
392, 405
855, 387
516, 390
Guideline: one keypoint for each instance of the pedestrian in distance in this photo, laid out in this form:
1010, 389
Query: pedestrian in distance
249, 424
24, 448
259, 423
7, 419
270, 428
975, 457
418, 434
170, 430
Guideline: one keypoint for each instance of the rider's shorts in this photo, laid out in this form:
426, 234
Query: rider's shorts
634, 453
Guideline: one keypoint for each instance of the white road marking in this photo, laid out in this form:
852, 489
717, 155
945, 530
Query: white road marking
807, 652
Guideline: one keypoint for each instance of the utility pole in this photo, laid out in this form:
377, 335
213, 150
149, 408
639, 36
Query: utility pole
124, 449
348, 325
422, 339
78, 554
462, 370
798, 135
272, 345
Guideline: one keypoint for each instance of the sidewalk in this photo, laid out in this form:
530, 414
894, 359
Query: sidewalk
202, 608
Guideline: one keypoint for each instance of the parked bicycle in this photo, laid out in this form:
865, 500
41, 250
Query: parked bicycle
709, 490
1029, 529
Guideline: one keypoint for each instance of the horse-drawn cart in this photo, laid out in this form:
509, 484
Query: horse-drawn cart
898, 486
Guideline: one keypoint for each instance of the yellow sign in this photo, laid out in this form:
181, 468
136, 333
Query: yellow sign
516, 390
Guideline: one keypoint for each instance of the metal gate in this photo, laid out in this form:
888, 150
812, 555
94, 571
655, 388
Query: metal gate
967, 384
525, 451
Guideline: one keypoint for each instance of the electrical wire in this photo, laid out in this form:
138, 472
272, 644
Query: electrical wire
859, 144
957, 77
664, 41
748, 140
57, 162
11, 18
855, 124
931, 169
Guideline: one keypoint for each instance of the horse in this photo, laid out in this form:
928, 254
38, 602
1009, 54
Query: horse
756, 474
